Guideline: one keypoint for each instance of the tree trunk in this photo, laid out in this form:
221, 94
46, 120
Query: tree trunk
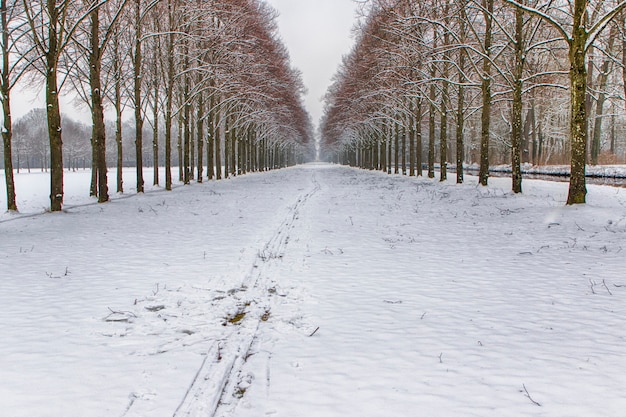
186, 118
516, 111
613, 130
219, 133
578, 88
431, 125
403, 151
53, 111
93, 187
169, 91
210, 148
7, 127
411, 121
137, 97
200, 136
192, 146
383, 151
443, 142
227, 142
486, 95
602, 85
179, 147
233, 150
118, 114
623, 21
155, 130
532, 122
396, 163
460, 117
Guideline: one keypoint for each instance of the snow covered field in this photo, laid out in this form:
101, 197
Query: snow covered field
314, 291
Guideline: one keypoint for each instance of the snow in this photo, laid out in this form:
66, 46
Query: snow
315, 290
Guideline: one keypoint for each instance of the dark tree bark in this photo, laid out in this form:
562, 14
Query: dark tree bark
186, 117
412, 137
7, 127
117, 73
418, 136
227, 142
578, 122
218, 144
155, 128
516, 111
210, 145
97, 109
404, 150
53, 109
138, 74
487, 6
431, 125
603, 78
396, 163
169, 92
460, 117
200, 136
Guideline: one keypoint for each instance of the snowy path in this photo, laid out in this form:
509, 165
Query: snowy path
217, 380
318, 291
446, 301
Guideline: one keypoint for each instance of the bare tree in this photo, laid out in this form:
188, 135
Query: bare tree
11, 11
52, 24
579, 32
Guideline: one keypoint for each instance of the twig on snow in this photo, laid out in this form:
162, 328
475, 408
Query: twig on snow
527, 394
314, 331
592, 284
119, 316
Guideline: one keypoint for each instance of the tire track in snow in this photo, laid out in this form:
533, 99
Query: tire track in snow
217, 378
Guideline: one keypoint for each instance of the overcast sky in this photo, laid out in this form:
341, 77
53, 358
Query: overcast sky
317, 34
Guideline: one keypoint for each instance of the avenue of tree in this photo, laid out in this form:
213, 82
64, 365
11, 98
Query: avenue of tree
210, 76
463, 82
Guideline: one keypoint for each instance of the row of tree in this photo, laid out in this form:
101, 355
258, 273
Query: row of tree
31, 147
211, 75
510, 74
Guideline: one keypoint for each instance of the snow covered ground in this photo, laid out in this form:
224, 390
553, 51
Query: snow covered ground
316, 291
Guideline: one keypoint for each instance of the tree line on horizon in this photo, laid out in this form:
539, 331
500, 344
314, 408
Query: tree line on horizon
460, 82
31, 147
210, 78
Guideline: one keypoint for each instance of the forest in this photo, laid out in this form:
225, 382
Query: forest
464, 82
211, 78
207, 86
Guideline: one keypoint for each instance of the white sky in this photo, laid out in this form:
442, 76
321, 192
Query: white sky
317, 34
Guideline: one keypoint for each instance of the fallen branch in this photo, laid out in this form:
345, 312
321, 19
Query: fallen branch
119, 316
527, 394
